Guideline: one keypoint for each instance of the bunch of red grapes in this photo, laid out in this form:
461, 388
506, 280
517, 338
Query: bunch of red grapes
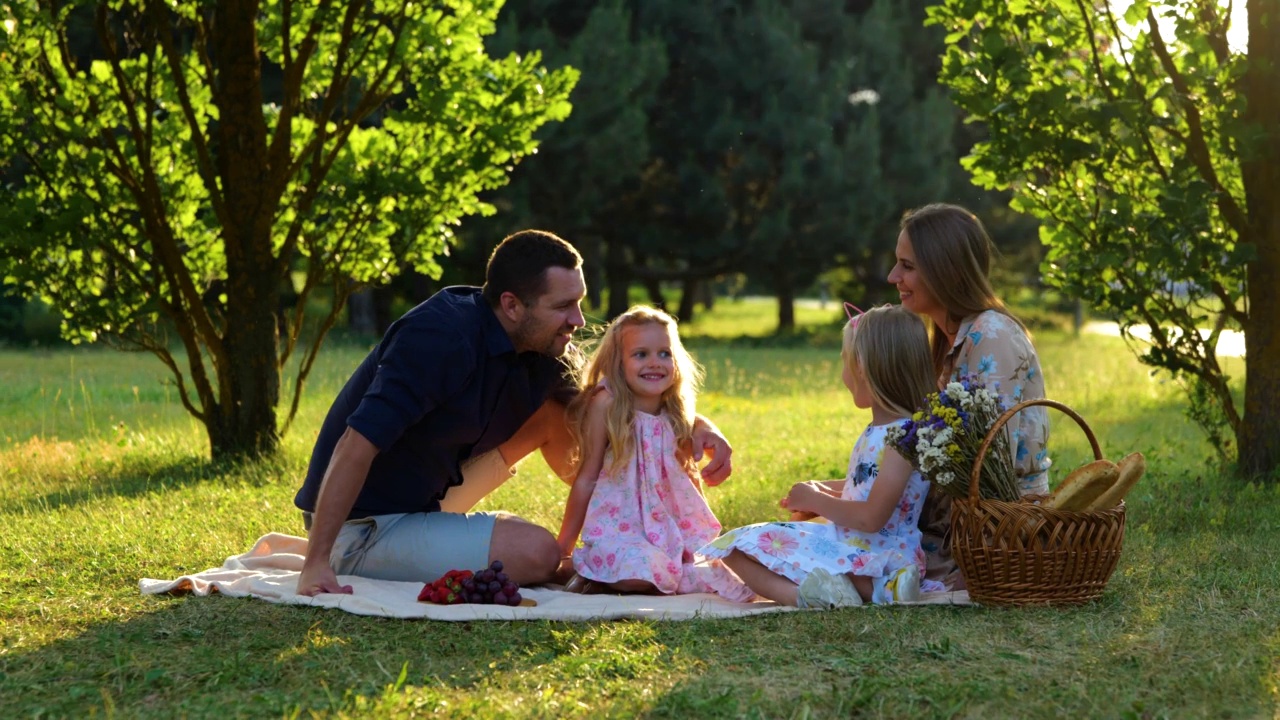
489, 586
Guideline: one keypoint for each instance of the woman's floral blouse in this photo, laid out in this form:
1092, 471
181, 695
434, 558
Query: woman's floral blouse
993, 349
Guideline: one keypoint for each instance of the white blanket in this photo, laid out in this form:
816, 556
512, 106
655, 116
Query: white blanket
269, 571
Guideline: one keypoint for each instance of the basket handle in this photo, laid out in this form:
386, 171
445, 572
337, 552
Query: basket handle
1006, 417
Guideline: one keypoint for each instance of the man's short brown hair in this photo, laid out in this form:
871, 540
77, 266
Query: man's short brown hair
519, 265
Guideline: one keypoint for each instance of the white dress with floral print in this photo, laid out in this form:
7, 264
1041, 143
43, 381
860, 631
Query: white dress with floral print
795, 549
646, 521
993, 349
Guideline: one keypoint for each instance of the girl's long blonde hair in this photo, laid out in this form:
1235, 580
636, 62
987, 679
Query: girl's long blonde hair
953, 253
605, 363
891, 346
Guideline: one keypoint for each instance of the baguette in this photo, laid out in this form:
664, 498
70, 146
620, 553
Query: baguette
1083, 485
1132, 467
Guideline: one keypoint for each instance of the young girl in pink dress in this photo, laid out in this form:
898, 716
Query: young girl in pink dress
869, 547
635, 501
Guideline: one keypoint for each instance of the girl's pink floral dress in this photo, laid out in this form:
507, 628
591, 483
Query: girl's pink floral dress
795, 549
647, 521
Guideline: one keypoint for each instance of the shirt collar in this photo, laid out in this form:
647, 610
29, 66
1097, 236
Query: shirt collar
496, 339
965, 326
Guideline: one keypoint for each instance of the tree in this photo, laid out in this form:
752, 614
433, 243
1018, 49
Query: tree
203, 158
583, 180
1149, 146
776, 137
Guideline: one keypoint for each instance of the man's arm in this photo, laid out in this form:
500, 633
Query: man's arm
708, 439
343, 480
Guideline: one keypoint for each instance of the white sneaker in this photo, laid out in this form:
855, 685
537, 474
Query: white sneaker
904, 586
823, 590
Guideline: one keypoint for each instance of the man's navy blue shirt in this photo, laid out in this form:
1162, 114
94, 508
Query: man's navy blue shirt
443, 385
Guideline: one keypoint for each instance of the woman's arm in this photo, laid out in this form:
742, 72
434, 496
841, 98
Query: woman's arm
868, 515
592, 451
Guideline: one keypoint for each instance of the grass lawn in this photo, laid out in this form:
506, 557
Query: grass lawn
105, 482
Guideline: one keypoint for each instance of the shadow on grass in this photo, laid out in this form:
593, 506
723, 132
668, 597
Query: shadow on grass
1175, 630
220, 656
137, 475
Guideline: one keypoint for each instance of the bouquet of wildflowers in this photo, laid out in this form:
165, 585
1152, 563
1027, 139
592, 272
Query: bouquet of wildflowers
942, 439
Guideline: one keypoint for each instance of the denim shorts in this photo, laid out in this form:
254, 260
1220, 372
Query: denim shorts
413, 547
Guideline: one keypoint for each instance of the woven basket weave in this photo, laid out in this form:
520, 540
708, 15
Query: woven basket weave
1020, 553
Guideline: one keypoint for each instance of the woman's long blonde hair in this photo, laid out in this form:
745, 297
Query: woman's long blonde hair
953, 253
605, 363
891, 346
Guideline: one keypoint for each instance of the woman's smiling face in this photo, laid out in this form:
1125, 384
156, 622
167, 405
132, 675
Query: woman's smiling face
906, 277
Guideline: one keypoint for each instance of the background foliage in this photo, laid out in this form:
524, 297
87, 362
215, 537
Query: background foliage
190, 175
1144, 135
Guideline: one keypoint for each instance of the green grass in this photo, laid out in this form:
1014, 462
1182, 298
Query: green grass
105, 484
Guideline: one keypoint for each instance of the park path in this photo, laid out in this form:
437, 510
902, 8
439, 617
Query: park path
1230, 342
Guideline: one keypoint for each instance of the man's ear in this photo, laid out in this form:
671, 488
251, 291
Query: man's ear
511, 306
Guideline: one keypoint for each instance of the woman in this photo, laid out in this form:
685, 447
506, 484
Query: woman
943, 262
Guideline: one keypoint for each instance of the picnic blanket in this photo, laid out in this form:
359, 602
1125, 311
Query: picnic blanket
269, 571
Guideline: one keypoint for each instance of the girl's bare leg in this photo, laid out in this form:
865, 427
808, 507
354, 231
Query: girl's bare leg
632, 587
761, 579
863, 584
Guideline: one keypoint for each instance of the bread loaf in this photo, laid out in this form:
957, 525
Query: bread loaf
1084, 485
1131, 468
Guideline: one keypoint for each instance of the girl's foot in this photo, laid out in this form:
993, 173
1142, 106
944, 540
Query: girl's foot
581, 585
823, 590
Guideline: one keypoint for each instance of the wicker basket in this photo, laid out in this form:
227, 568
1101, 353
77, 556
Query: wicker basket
1020, 553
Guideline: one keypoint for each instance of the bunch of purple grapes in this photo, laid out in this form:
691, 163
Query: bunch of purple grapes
491, 586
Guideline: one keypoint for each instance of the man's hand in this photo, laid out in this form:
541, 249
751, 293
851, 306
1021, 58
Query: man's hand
320, 579
708, 441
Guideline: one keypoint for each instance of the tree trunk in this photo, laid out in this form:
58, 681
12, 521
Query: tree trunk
1259, 437
707, 294
243, 423
619, 280
384, 299
361, 316
786, 303
654, 288
592, 264
688, 296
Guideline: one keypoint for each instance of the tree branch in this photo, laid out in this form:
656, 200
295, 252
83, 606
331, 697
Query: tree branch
1216, 29
341, 291
146, 342
156, 225
1197, 148
375, 95
1085, 13
203, 155
1143, 128
280, 146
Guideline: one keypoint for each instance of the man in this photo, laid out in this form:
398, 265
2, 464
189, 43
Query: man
458, 391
